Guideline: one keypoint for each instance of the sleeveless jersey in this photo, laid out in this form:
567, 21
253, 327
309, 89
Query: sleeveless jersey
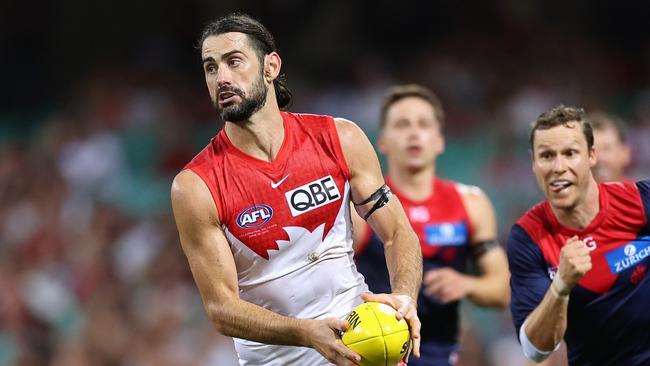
288, 225
443, 227
608, 317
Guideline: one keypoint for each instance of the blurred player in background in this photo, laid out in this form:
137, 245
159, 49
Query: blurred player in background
454, 223
263, 212
612, 151
579, 259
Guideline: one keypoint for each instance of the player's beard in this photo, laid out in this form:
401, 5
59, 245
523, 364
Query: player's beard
251, 102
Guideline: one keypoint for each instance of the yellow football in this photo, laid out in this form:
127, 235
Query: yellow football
376, 335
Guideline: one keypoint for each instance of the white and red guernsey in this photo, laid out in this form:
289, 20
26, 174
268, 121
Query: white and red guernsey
289, 228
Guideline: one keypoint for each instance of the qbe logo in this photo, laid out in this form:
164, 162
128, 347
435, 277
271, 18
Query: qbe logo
312, 195
254, 216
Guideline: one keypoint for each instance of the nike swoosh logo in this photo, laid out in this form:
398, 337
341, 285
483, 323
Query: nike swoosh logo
275, 185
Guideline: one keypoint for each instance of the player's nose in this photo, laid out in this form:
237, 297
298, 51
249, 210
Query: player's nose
223, 76
413, 131
559, 165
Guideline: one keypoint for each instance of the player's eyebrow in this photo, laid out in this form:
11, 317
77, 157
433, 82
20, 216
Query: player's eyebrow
224, 56
208, 59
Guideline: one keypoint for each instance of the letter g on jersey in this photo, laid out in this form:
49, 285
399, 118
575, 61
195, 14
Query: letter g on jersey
312, 195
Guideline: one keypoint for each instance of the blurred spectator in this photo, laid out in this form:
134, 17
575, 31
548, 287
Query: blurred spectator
612, 151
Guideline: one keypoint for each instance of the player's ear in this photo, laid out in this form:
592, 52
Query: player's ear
592, 156
441, 145
531, 151
626, 155
272, 66
381, 143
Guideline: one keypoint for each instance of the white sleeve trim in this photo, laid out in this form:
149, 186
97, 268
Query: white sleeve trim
530, 351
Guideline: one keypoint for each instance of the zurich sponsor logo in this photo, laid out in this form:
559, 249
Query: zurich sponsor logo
629, 255
446, 234
629, 250
254, 216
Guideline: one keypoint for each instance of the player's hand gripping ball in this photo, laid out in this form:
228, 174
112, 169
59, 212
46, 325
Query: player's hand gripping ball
376, 335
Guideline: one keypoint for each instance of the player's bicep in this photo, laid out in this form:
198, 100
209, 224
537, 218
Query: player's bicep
529, 279
483, 235
493, 261
389, 220
480, 212
203, 241
365, 171
371, 198
359, 228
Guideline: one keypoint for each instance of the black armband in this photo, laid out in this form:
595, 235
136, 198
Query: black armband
381, 196
478, 249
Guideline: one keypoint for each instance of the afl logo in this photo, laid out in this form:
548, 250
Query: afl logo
254, 216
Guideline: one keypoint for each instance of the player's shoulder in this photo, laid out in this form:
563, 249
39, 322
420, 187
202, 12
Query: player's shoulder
191, 196
525, 253
319, 125
526, 238
345, 126
473, 197
534, 219
627, 186
187, 184
643, 185
644, 190
466, 190
349, 133
620, 187
626, 193
307, 118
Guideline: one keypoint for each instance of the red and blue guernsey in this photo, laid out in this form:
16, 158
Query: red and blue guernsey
609, 309
443, 227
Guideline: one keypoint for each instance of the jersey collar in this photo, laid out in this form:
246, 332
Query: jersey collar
603, 198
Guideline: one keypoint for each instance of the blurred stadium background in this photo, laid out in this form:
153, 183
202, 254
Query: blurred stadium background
103, 102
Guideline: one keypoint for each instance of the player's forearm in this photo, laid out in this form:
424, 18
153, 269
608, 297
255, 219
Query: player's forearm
490, 290
241, 319
404, 261
546, 325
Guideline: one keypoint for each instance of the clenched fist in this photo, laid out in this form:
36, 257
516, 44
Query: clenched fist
575, 262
